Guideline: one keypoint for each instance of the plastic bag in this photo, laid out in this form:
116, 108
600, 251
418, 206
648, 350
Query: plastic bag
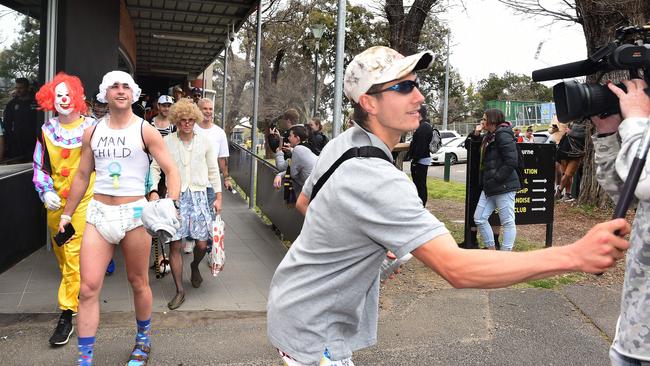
188, 246
217, 254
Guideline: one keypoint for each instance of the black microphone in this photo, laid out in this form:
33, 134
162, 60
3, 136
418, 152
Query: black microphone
573, 69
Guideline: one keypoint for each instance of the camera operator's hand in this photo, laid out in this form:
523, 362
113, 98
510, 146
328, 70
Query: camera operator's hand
286, 148
634, 103
608, 124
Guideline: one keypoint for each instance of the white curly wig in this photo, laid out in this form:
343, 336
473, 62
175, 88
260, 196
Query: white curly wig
116, 76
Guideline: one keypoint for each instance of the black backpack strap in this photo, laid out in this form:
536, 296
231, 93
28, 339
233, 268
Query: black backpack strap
355, 152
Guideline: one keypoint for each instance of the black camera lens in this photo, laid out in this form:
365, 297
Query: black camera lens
574, 100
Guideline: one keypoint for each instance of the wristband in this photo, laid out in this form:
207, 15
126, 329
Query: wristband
66, 217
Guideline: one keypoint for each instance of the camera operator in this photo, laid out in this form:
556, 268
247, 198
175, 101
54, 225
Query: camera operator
616, 144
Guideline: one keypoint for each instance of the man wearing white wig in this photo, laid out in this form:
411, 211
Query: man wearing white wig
116, 149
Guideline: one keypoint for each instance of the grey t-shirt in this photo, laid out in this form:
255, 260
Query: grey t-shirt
302, 163
325, 293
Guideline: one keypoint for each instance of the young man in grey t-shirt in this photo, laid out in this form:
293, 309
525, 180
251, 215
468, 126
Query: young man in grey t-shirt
323, 301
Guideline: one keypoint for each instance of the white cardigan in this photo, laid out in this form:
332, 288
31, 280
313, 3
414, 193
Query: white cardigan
203, 166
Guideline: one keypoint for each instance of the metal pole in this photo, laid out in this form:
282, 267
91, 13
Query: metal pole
225, 83
313, 113
256, 97
338, 73
445, 111
50, 69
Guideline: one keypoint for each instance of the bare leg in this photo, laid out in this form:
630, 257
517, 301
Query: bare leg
136, 247
95, 255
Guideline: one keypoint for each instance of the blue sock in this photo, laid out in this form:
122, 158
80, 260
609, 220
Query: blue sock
144, 332
141, 339
86, 345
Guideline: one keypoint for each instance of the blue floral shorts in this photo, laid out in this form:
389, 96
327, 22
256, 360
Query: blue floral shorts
196, 218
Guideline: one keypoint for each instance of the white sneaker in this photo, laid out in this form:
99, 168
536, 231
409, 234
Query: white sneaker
164, 268
567, 198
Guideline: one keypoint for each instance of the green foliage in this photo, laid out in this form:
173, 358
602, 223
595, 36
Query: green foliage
21, 58
288, 50
513, 86
288, 55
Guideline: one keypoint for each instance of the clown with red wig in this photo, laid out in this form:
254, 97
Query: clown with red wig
56, 159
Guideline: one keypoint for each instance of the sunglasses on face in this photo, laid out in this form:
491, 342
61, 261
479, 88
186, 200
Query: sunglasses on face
403, 87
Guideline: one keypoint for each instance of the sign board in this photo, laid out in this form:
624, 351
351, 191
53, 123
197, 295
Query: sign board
534, 202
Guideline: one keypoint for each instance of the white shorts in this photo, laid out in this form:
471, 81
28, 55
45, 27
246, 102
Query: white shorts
113, 222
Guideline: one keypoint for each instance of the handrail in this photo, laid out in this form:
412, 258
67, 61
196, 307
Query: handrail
269, 200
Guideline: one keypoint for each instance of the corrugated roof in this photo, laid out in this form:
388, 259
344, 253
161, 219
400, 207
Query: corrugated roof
183, 36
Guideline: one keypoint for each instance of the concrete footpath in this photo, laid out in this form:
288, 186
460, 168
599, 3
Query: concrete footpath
223, 322
571, 326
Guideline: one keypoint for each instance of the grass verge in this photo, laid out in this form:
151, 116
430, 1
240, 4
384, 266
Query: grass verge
439, 189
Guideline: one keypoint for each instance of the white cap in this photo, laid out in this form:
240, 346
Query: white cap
165, 99
378, 65
113, 77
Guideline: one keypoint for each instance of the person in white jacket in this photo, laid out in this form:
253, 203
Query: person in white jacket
616, 144
198, 167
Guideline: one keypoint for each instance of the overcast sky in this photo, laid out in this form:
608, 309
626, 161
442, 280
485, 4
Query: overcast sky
490, 38
487, 37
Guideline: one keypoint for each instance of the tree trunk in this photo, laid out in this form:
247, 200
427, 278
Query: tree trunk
405, 28
600, 19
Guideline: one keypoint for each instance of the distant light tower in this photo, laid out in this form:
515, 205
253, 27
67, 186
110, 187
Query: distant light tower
317, 31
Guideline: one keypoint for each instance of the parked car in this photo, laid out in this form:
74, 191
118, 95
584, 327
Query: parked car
448, 135
455, 147
541, 137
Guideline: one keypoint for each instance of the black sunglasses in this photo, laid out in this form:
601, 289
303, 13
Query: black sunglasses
403, 87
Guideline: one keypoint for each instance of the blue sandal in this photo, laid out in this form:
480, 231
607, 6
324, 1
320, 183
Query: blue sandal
139, 356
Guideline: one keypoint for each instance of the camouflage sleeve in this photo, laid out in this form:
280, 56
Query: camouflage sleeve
631, 131
606, 150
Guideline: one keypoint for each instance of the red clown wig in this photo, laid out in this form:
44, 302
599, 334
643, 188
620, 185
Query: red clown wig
46, 94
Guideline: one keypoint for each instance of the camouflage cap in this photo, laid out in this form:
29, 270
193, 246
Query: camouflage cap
378, 65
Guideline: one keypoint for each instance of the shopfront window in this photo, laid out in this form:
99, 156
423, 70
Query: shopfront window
19, 71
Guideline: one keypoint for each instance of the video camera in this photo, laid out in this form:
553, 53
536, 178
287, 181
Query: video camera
573, 100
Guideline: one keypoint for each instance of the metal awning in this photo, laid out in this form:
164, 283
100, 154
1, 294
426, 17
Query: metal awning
182, 37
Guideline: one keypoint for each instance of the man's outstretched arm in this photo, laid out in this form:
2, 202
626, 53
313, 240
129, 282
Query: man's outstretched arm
597, 251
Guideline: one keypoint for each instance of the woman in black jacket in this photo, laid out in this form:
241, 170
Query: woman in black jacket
317, 138
499, 177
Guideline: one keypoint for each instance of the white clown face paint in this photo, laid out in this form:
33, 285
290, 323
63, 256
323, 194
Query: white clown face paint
62, 99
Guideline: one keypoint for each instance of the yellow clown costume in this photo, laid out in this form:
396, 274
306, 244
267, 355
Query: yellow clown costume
56, 159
